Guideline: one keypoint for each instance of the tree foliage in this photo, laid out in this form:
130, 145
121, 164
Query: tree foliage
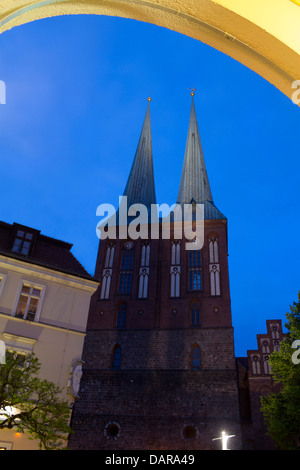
282, 410
29, 403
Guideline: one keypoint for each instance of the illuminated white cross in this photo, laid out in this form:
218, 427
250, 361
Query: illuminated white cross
224, 438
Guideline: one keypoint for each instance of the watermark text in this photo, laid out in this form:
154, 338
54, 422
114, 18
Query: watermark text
139, 221
296, 94
2, 92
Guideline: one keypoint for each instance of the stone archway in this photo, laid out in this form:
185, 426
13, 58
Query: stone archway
261, 34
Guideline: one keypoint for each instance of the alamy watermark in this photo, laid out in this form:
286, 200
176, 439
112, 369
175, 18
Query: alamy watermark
2, 92
138, 221
296, 94
295, 358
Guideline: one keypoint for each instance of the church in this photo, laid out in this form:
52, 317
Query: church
160, 371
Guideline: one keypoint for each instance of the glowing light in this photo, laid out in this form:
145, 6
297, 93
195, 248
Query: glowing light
224, 438
7, 412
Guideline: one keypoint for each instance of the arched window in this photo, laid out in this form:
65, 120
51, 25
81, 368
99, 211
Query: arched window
214, 266
194, 270
195, 315
267, 367
144, 272
126, 269
121, 317
116, 357
275, 331
213, 249
107, 272
265, 346
175, 269
196, 358
255, 365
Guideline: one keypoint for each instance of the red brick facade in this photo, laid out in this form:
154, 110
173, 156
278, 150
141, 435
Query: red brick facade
160, 370
255, 381
161, 395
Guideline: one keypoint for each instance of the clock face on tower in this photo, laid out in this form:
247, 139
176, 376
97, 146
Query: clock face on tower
128, 245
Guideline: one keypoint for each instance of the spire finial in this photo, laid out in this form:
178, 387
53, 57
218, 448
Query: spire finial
149, 97
192, 90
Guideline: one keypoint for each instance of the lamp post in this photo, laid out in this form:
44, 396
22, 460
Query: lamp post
224, 438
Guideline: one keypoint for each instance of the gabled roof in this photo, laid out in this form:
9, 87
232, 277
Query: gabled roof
43, 250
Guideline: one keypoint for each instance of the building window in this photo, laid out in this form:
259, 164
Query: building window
126, 270
19, 358
121, 317
5, 445
275, 331
195, 315
2, 282
196, 358
144, 272
265, 346
112, 430
267, 367
107, 272
214, 266
29, 302
18, 345
255, 365
22, 242
175, 269
194, 270
116, 357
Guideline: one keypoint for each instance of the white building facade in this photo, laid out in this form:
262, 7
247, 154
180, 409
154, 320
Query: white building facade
44, 302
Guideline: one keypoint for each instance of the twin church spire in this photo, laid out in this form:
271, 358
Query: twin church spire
140, 187
194, 184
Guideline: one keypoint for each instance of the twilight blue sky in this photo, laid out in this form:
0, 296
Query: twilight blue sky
76, 96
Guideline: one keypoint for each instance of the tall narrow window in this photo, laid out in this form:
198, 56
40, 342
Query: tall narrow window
194, 270
116, 362
196, 358
267, 367
175, 269
107, 272
255, 365
214, 266
121, 317
274, 331
144, 272
2, 282
195, 315
28, 302
126, 269
22, 242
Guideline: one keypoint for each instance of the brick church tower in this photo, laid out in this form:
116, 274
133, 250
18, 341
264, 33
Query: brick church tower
159, 366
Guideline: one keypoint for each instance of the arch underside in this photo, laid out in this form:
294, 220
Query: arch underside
262, 34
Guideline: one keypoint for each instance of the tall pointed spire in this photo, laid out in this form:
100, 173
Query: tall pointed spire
194, 184
140, 187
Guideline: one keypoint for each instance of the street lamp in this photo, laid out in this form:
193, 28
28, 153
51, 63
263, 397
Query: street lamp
224, 438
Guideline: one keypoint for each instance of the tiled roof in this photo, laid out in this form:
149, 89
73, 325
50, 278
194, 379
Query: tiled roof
44, 251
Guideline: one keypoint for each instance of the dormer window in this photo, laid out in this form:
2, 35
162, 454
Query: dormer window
22, 242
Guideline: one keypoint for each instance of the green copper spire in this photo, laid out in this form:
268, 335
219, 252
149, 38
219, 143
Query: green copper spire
140, 188
194, 184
